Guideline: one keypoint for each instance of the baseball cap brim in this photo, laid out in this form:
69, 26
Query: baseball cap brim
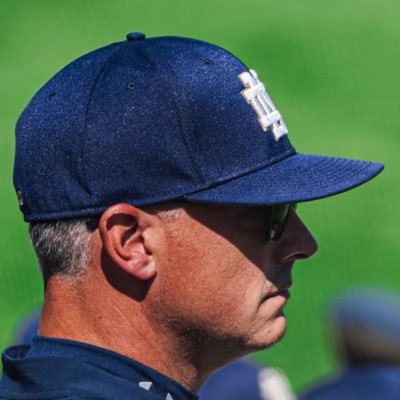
298, 178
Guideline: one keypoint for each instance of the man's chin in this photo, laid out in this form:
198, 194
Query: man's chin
270, 335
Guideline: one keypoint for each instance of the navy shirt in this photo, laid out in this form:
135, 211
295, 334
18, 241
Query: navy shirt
63, 369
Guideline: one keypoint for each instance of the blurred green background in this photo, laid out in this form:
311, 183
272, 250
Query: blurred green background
332, 69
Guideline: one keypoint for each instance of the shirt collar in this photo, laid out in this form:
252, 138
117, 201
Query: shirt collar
116, 364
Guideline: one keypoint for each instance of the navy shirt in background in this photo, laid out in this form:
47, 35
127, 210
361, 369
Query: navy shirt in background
55, 369
363, 382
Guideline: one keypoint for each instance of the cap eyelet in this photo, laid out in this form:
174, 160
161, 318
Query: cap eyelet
51, 95
208, 61
130, 86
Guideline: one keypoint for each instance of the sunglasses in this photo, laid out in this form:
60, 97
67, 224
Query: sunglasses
279, 217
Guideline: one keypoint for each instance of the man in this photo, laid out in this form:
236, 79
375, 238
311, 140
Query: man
160, 187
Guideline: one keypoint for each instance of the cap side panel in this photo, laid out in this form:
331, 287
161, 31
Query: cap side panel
135, 132
47, 167
183, 115
86, 140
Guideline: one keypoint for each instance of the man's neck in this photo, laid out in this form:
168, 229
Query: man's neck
120, 326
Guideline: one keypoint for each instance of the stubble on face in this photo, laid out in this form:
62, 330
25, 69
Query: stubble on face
216, 279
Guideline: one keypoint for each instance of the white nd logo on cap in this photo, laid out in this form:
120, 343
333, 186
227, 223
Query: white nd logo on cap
256, 95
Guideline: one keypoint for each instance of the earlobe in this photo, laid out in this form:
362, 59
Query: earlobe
122, 228
141, 266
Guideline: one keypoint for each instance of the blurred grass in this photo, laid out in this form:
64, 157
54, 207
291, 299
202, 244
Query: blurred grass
333, 70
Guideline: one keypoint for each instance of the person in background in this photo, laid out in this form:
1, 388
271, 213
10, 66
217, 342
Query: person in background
27, 328
244, 379
366, 333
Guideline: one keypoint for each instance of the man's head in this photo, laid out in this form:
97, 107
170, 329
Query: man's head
210, 271
158, 174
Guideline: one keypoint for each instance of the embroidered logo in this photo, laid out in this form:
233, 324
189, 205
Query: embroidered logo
256, 95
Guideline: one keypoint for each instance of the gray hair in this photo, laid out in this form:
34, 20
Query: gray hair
63, 247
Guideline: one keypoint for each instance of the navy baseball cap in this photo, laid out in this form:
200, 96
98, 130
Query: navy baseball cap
147, 121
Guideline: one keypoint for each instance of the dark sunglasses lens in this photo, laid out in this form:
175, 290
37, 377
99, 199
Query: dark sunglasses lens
280, 214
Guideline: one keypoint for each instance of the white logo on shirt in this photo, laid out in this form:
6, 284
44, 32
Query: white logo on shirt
145, 385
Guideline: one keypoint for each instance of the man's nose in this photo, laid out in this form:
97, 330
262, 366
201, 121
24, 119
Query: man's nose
296, 242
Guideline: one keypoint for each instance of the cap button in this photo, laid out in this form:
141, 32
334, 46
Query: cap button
135, 36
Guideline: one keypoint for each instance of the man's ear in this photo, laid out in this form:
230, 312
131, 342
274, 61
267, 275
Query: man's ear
122, 229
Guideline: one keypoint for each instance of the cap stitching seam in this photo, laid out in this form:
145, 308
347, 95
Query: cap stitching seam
281, 157
86, 140
184, 125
